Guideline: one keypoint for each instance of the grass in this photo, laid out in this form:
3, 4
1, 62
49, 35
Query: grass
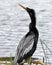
6, 62
10, 60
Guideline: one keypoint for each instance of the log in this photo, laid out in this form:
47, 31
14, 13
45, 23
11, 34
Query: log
36, 61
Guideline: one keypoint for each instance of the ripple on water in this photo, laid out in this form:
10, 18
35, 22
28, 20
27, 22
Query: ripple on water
4, 17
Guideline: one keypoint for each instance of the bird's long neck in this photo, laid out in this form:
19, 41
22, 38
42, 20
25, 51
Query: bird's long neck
33, 20
32, 25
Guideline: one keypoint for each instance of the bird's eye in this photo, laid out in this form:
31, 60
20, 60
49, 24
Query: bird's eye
30, 13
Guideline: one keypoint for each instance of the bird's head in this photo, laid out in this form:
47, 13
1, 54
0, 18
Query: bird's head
30, 11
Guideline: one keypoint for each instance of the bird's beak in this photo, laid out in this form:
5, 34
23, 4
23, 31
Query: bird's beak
22, 7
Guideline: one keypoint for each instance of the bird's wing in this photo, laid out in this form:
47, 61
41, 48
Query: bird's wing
28, 44
18, 55
24, 46
20, 46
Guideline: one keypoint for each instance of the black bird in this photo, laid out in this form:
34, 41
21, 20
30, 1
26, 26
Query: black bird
28, 43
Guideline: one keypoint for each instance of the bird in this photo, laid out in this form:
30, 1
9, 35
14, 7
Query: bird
28, 44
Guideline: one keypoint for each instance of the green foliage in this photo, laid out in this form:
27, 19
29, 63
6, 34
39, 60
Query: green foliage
10, 61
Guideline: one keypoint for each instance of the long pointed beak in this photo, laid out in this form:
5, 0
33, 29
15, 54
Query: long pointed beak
22, 6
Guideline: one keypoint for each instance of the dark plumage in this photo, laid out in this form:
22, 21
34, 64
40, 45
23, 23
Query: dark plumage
28, 43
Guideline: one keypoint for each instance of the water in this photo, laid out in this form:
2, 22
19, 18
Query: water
14, 23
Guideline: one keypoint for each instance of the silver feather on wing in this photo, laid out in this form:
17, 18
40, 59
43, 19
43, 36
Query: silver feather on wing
24, 46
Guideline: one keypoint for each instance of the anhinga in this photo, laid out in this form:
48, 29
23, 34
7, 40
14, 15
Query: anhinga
28, 43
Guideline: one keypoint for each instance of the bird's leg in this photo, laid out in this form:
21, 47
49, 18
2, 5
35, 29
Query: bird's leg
29, 61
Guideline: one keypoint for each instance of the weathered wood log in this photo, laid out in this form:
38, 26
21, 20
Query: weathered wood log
36, 61
5, 60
